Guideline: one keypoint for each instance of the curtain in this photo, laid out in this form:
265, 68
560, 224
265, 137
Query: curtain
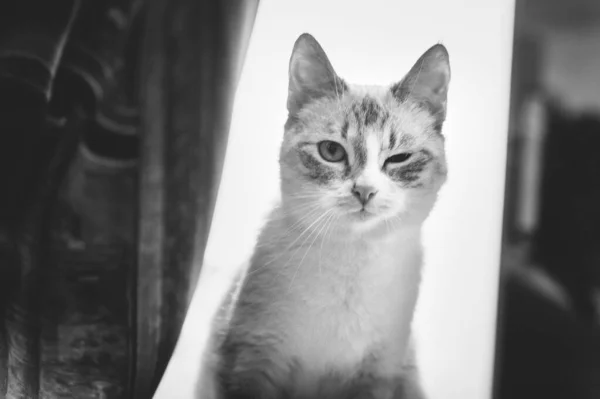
114, 118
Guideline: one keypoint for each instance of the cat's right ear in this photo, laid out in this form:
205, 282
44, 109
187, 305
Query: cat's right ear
427, 81
311, 75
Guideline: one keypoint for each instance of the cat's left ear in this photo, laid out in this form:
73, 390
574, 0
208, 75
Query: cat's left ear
427, 82
311, 75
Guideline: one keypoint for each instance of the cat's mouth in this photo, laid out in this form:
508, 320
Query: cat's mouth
363, 214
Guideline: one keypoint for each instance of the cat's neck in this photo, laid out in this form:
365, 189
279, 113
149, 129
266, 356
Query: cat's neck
339, 249
335, 234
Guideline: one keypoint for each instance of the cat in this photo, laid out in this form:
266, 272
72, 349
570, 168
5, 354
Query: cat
324, 309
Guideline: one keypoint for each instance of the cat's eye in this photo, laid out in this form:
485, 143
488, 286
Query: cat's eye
399, 158
331, 151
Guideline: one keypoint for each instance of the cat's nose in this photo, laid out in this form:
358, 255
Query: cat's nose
363, 193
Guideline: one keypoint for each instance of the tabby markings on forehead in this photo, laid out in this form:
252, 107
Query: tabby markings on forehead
374, 112
368, 112
357, 117
345, 126
331, 128
360, 152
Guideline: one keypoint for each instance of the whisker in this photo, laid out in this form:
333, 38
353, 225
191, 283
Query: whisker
301, 245
309, 213
323, 227
306, 253
387, 225
306, 208
284, 251
316, 195
331, 221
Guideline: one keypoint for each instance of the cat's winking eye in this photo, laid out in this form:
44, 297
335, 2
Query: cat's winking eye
331, 151
398, 158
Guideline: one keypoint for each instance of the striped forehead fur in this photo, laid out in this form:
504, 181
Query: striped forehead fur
372, 108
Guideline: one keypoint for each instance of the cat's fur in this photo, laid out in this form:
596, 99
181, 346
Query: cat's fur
325, 308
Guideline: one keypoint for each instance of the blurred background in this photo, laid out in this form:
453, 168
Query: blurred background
549, 308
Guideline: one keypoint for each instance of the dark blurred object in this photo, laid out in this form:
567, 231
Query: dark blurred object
558, 14
527, 59
566, 243
548, 329
71, 323
30, 47
543, 352
192, 59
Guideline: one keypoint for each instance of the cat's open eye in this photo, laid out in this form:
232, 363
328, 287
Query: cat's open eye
399, 158
331, 151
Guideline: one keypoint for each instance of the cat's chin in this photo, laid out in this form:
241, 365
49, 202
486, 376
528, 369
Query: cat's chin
363, 221
363, 215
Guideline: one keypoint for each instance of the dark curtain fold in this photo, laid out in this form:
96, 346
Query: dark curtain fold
31, 44
95, 95
192, 58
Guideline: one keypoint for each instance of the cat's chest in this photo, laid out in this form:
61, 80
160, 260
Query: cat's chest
345, 279
346, 302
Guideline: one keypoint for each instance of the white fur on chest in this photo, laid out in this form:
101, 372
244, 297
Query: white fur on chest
339, 304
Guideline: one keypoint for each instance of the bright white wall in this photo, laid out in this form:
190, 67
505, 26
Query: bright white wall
376, 42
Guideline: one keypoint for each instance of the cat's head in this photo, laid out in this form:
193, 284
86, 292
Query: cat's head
361, 156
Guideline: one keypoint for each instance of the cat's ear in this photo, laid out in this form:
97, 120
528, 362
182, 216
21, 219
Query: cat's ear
311, 75
427, 82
